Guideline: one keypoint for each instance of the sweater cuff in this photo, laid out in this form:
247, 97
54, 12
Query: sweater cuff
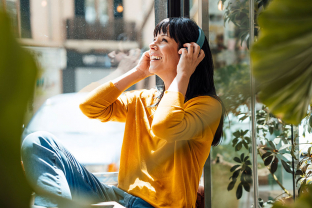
107, 93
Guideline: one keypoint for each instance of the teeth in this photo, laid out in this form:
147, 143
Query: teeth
155, 57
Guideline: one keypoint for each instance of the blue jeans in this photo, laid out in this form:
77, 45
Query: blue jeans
55, 174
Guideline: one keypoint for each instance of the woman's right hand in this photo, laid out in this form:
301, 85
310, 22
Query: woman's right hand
144, 64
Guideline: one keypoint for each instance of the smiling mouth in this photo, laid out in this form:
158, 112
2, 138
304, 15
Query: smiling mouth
155, 58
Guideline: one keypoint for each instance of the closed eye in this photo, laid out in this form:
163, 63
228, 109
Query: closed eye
164, 40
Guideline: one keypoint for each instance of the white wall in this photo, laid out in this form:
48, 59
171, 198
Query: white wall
48, 18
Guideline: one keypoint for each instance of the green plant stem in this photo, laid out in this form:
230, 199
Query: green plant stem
303, 143
278, 196
274, 176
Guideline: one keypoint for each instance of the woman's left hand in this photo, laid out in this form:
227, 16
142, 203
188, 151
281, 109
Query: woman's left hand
190, 58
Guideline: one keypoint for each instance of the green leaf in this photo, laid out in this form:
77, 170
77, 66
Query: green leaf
236, 159
245, 132
239, 191
235, 174
248, 171
246, 158
272, 144
247, 139
238, 146
281, 157
248, 162
260, 202
245, 144
234, 168
286, 166
268, 160
274, 165
267, 148
234, 141
271, 130
231, 185
237, 133
246, 187
242, 157
299, 172
282, 59
265, 155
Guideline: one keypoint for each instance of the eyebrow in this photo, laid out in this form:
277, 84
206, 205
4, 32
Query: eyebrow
162, 35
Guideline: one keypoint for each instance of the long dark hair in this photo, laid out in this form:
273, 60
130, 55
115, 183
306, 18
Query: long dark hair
184, 30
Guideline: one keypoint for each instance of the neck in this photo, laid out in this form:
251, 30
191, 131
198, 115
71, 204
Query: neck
167, 81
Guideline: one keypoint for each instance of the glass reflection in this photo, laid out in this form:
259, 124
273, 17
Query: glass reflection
231, 166
80, 44
277, 142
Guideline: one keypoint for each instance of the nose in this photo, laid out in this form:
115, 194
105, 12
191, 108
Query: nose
153, 45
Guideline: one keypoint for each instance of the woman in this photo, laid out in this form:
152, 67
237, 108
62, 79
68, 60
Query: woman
167, 138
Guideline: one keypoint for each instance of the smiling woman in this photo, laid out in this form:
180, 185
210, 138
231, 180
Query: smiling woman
166, 140
164, 56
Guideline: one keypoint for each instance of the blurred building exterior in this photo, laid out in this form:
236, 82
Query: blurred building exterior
71, 39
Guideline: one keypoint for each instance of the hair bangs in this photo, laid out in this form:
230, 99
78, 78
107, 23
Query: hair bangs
161, 27
164, 26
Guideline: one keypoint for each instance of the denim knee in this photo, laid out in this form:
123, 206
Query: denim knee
43, 166
42, 138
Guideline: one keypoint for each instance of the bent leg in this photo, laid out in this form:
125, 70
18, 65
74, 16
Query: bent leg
53, 171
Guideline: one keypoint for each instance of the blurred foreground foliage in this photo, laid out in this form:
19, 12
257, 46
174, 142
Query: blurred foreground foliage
282, 61
18, 73
17, 78
304, 201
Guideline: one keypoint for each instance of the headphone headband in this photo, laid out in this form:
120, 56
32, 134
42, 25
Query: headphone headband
201, 37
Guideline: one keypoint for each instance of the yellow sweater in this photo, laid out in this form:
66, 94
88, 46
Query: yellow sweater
164, 148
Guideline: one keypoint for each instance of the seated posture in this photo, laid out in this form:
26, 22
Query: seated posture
168, 133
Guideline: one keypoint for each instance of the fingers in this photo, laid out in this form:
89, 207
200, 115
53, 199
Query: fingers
182, 51
197, 50
193, 49
190, 48
146, 55
201, 56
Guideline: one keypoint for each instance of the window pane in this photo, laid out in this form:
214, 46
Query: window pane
79, 45
232, 81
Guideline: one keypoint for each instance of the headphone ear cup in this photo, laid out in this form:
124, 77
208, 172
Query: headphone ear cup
201, 38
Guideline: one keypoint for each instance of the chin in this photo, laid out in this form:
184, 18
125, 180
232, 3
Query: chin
153, 70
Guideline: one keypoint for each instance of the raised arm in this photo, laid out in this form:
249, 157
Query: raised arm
175, 120
105, 102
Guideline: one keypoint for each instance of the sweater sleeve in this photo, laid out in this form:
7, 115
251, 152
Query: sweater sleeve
106, 104
173, 122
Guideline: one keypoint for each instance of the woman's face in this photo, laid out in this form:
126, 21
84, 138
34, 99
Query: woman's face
164, 56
